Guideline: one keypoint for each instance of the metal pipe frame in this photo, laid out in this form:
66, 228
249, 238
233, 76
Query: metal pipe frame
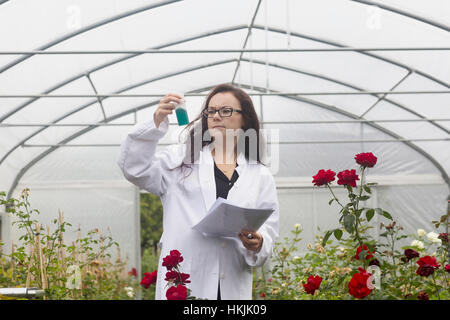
187, 70
88, 28
268, 142
317, 76
219, 32
95, 101
249, 32
354, 87
49, 124
374, 125
175, 51
324, 93
23, 142
149, 7
193, 38
147, 105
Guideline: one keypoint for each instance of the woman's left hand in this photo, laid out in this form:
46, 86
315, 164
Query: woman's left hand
254, 243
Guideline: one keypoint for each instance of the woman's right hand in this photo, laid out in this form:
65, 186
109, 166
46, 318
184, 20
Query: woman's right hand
166, 107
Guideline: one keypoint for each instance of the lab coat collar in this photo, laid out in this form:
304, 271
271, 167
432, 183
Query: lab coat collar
206, 174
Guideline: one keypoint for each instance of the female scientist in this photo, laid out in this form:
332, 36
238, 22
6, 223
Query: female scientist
218, 159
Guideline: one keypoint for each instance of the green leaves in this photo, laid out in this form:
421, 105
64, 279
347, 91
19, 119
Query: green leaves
337, 234
349, 221
363, 198
326, 237
442, 220
369, 214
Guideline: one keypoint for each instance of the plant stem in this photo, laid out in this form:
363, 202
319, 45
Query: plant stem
410, 278
361, 187
355, 206
334, 196
435, 285
392, 248
357, 235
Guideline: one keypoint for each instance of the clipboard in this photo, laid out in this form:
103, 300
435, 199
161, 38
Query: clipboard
225, 219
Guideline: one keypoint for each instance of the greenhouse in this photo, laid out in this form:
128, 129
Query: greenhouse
329, 79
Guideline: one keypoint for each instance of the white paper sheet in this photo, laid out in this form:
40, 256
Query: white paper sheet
227, 220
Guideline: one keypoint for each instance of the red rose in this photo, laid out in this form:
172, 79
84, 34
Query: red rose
359, 250
423, 296
411, 254
357, 286
172, 260
148, 279
443, 237
262, 295
133, 272
348, 177
323, 177
427, 265
374, 262
177, 277
177, 293
312, 284
447, 268
366, 159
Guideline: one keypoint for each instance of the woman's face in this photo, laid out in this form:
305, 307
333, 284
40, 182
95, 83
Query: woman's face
218, 124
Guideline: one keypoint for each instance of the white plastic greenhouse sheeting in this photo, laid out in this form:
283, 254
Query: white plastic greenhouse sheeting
85, 182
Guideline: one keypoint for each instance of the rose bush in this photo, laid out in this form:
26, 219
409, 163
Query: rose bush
357, 266
79, 270
176, 280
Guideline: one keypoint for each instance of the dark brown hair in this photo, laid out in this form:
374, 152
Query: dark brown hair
250, 121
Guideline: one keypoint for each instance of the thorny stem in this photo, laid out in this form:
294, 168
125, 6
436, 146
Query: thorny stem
334, 196
361, 187
355, 206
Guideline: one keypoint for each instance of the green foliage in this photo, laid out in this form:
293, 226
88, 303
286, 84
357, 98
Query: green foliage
336, 264
151, 220
81, 270
149, 264
393, 275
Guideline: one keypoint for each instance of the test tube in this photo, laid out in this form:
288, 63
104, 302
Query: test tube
181, 112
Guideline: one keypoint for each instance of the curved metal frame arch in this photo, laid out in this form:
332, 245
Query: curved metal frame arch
373, 55
310, 101
88, 28
113, 62
117, 92
374, 125
168, 2
312, 74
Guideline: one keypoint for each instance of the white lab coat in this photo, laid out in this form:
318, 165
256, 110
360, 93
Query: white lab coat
208, 260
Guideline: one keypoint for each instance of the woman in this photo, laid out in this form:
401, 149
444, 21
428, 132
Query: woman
223, 163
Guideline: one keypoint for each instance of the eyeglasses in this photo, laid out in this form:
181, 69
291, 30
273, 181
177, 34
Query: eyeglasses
223, 112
